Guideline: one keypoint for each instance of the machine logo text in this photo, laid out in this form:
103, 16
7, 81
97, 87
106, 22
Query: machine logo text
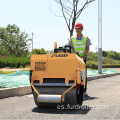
59, 55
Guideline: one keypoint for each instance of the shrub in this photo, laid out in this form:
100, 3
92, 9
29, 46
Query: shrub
38, 51
111, 65
104, 53
14, 62
94, 65
92, 56
106, 60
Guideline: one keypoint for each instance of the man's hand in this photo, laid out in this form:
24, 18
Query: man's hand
72, 49
83, 57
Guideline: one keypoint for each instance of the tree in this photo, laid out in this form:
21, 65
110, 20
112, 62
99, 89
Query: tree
50, 51
13, 41
38, 51
71, 11
112, 54
92, 56
43, 51
104, 53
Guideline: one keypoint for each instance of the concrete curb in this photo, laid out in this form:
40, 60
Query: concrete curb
23, 90
15, 91
89, 78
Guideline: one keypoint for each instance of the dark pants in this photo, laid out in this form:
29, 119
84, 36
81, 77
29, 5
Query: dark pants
86, 78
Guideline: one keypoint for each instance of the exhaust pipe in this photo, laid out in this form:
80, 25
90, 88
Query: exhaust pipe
49, 98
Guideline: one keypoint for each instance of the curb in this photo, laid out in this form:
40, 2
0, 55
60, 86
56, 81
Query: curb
15, 91
23, 90
89, 78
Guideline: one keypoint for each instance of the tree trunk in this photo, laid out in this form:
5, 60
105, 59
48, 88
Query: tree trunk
71, 33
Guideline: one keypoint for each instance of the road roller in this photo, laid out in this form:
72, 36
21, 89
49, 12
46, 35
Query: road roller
58, 78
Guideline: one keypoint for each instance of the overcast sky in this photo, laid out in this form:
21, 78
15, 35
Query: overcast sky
35, 16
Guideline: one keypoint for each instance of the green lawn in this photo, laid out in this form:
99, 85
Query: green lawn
9, 72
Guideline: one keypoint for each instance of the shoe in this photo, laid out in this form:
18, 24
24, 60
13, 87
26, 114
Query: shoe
85, 94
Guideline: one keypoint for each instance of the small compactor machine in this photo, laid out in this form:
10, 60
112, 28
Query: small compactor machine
58, 78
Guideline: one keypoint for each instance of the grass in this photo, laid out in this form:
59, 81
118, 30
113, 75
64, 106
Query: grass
26, 70
6, 72
10, 72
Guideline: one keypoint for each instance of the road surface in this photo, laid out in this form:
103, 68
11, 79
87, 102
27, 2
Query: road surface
103, 102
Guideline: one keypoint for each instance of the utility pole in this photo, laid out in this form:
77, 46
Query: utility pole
96, 49
100, 36
32, 40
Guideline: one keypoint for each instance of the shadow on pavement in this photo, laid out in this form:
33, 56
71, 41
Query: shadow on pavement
89, 98
67, 110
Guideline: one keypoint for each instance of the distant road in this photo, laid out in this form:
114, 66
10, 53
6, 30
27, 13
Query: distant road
103, 103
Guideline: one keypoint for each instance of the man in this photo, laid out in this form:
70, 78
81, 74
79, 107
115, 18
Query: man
80, 45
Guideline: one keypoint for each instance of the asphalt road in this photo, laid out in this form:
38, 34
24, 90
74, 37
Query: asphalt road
103, 102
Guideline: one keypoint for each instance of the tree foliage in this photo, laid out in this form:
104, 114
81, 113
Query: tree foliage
92, 56
109, 57
104, 53
39, 51
49, 51
114, 55
13, 41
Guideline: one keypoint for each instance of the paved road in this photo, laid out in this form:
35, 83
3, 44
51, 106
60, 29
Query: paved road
103, 102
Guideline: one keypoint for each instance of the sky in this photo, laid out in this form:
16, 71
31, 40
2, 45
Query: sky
35, 16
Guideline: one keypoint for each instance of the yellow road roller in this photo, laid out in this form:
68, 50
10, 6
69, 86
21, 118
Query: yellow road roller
58, 78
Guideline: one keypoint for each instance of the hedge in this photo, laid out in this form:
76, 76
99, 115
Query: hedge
94, 65
111, 65
16, 62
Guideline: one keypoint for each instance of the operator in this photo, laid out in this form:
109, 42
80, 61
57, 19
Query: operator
80, 45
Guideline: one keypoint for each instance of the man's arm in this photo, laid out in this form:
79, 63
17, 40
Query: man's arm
87, 50
70, 43
72, 49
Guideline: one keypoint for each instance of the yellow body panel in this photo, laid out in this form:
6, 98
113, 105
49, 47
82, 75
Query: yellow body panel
57, 65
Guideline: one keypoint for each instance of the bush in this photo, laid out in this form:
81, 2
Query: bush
114, 55
104, 53
92, 56
38, 51
116, 62
109, 56
106, 60
94, 65
14, 62
111, 65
